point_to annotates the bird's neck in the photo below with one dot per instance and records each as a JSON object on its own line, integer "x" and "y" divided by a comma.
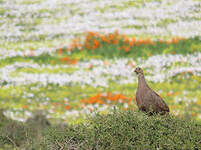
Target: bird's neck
{"x": 141, "y": 81}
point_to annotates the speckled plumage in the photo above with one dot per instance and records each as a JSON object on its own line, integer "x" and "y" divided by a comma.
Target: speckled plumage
{"x": 148, "y": 100}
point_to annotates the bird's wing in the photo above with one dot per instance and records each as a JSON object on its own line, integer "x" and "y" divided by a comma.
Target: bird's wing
{"x": 159, "y": 101}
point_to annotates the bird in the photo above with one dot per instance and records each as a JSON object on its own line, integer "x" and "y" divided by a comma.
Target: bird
{"x": 147, "y": 99}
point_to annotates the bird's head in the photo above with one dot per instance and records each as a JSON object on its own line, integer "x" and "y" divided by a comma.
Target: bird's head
{"x": 138, "y": 70}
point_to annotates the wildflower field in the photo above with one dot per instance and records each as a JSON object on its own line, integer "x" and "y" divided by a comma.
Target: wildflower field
{"x": 72, "y": 58}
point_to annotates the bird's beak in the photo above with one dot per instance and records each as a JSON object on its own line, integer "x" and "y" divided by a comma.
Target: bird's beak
{"x": 135, "y": 71}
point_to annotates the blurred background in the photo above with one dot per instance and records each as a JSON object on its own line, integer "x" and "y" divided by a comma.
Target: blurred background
{"x": 71, "y": 58}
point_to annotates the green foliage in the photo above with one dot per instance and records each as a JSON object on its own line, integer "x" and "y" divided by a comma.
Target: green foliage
{"x": 126, "y": 130}
{"x": 118, "y": 130}
{"x": 145, "y": 50}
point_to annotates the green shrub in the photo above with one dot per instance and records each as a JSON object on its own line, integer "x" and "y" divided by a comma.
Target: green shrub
{"x": 118, "y": 130}
{"x": 126, "y": 130}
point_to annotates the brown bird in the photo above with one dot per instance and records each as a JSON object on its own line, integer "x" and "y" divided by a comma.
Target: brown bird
{"x": 148, "y": 100}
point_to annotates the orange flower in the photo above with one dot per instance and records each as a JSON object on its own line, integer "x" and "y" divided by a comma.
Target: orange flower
{"x": 69, "y": 60}
{"x": 121, "y": 96}
{"x": 131, "y": 43}
{"x": 141, "y": 41}
{"x": 88, "y": 46}
{"x": 101, "y": 98}
{"x": 92, "y": 100}
{"x": 100, "y": 101}
{"x": 96, "y": 43}
{"x": 98, "y": 95}
{"x": 131, "y": 64}
{"x": 115, "y": 97}
{"x": 65, "y": 59}
{"x": 26, "y": 106}
{"x": 147, "y": 41}
{"x": 87, "y": 39}
{"x": 126, "y": 49}
{"x": 129, "y": 100}
{"x": 111, "y": 37}
{"x": 94, "y": 47}
{"x": 126, "y": 40}
{"x": 90, "y": 66}
{"x": 109, "y": 95}
{"x": 169, "y": 94}
{"x": 161, "y": 41}
{"x": 168, "y": 42}
{"x": 84, "y": 100}
{"x": 67, "y": 107}
{"x": 103, "y": 38}
{"x": 134, "y": 40}
{"x": 175, "y": 40}
{"x": 91, "y": 33}
{"x": 115, "y": 42}
{"x": 73, "y": 62}
{"x": 60, "y": 51}
{"x": 122, "y": 47}
{"x": 93, "y": 40}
